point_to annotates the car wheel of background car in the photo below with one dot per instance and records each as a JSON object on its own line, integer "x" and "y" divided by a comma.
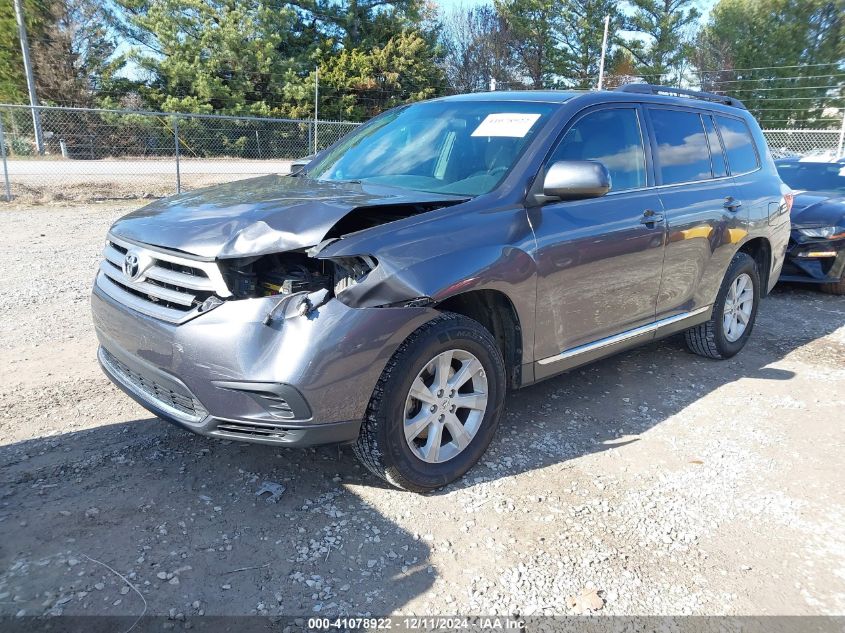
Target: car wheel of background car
{"x": 835, "y": 288}
{"x": 436, "y": 406}
{"x": 733, "y": 313}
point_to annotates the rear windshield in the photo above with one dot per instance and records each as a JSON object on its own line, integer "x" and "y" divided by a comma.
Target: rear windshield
{"x": 739, "y": 145}
{"x": 452, "y": 147}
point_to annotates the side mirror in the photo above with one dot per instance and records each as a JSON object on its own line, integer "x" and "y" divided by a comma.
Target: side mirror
{"x": 576, "y": 180}
{"x": 299, "y": 164}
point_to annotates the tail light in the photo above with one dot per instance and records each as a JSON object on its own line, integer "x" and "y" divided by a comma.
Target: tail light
{"x": 788, "y": 199}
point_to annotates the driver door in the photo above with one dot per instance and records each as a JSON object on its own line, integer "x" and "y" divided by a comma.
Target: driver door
{"x": 599, "y": 260}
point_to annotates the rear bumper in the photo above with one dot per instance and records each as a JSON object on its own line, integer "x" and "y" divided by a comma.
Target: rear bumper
{"x": 299, "y": 381}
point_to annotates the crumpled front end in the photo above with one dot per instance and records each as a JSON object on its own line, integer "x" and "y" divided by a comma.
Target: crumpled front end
{"x": 254, "y": 349}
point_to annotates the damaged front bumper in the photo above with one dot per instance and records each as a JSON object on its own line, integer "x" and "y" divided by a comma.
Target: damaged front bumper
{"x": 814, "y": 260}
{"x": 301, "y": 380}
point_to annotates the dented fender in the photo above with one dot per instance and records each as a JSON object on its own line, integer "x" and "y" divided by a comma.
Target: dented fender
{"x": 484, "y": 251}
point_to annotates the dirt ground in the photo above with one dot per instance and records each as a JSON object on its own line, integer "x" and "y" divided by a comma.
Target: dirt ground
{"x": 655, "y": 482}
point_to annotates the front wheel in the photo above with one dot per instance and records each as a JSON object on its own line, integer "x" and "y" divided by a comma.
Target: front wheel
{"x": 436, "y": 406}
{"x": 835, "y": 287}
{"x": 734, "y": 312}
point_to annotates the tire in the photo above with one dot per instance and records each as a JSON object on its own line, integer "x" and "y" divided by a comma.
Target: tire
{"x": 835, "y": 288}
{"x": 710, "y": 339}
{"x": 382, "y": 445}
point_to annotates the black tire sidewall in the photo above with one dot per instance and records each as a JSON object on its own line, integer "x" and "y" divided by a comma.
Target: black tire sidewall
{"x": 742, "y": 263}
{"x": 459, "y": 333}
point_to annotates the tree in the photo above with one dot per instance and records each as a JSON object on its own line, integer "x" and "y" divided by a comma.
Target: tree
{"x": 793, "y": 75}
{"x": 478, "y": 49}
{"x": 74, "y": 58}
{"x": 358, "y": 84}
{"x": 216, "y": 55}
{"x": 662, "y": 46}
{"x": 581, "y": 32}
{"x": 533, "y": 25}
{"x": 365, "y": 23}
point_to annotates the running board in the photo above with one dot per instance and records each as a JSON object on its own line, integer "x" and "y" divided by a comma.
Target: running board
{"x": 622, "y": 336}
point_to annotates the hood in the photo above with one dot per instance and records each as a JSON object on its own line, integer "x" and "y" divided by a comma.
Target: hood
{"x": 816, "y": 208}
{"x": 270, "y": 214}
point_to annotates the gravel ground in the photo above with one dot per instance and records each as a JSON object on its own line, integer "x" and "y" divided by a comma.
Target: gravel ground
{"x": 655, "y": 482}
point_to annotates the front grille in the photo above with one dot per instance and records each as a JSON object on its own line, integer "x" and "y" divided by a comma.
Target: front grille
{"x": 264, "y": 431}
{"x": 183, "y": 405}
{"x": 167, "y": 285}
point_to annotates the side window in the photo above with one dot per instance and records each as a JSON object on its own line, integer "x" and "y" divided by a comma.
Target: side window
{"x": 682, "y": 152}
{"x": 717, "y": 155}
{"x": 613, "y": 138}
{"x": 739, "y": 145}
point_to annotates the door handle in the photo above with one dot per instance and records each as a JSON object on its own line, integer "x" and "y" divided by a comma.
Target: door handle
{"x": 650, "y": 218}
{"x": 732, "y": 204}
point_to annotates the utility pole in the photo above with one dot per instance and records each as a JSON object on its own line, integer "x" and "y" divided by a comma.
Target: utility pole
{"x": 840, "y": 146}
{"x": 316, "y": 102}
{"x": 603, "y": 51}
{"x": 30, "y": 80}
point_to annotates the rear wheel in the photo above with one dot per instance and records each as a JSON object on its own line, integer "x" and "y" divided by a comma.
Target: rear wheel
{"x": 734, "y": 312}
{"x": 436, "y": 406}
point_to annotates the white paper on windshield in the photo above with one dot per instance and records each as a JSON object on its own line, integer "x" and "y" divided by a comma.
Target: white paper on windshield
{"x": 512, "y": 124}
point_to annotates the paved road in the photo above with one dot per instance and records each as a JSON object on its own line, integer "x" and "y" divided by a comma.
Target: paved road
{"x": 105, "y": 168}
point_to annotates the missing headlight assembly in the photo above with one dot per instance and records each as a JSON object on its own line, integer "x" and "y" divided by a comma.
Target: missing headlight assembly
{"x": 302, "y": 283}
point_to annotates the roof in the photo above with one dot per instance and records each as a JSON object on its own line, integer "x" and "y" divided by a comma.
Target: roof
{"x": 592, "y": 97}
{"x": 544, "y": 96}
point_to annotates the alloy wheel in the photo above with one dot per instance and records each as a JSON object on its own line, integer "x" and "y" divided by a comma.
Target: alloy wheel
{"x": 445, "y": 406}
{"x": 739, "y": 303}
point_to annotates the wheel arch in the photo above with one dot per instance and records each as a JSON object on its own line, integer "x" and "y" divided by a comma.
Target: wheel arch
{"x": 760, "y": 249}
{"x": 496, "y": 312}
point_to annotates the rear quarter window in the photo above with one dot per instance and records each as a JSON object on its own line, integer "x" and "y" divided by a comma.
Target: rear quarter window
{"x": 739, "y": 144}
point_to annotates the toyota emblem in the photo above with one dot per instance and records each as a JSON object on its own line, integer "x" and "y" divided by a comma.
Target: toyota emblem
{"x": 131, "y": 266}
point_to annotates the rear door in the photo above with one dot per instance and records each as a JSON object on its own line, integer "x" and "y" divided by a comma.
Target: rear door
{"x": 704, "y": 214}
{"x": 600, "y": 260}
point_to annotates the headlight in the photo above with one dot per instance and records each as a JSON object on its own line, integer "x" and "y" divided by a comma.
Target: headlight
{"x": 823, "y": 231}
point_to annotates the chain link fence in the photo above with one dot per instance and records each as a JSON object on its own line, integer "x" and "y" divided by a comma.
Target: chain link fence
{"x": 89, "y": 154}
{"x": 784, "y": 143}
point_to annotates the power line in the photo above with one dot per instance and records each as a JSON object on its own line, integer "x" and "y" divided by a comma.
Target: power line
{"x": 730, "y": 70}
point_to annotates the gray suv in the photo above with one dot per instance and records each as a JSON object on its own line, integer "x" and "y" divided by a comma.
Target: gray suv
{"x": 392, "y": 291}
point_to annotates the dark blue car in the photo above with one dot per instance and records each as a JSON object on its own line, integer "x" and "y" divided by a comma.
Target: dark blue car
{"x": 816, "y": 252}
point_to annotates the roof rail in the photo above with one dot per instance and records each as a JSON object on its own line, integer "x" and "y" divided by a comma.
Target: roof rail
{"x": 651, "y": 89}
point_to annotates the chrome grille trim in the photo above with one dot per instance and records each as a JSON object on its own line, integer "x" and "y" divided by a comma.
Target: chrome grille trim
{"x": 182, "y": 406}
{"x": 171, "y": 286}
{"x": 140, "y": 305}
{"x": 173, "y": 296}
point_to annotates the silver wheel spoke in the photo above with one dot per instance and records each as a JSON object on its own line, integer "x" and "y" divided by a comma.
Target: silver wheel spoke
{"x": 467, "y": 371}
{"x": 417, "y": 424}
{"x": 459, "y": 434}
{"x": 421, "y": 392}
{"x": 443, "y": 364}
{"x": 471, "y": 401}
{"x": 431, "y": 450}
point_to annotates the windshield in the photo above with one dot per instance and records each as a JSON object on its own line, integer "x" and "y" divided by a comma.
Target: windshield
{"x": 813, "y": 176}
{"x": 452, "y": 147}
